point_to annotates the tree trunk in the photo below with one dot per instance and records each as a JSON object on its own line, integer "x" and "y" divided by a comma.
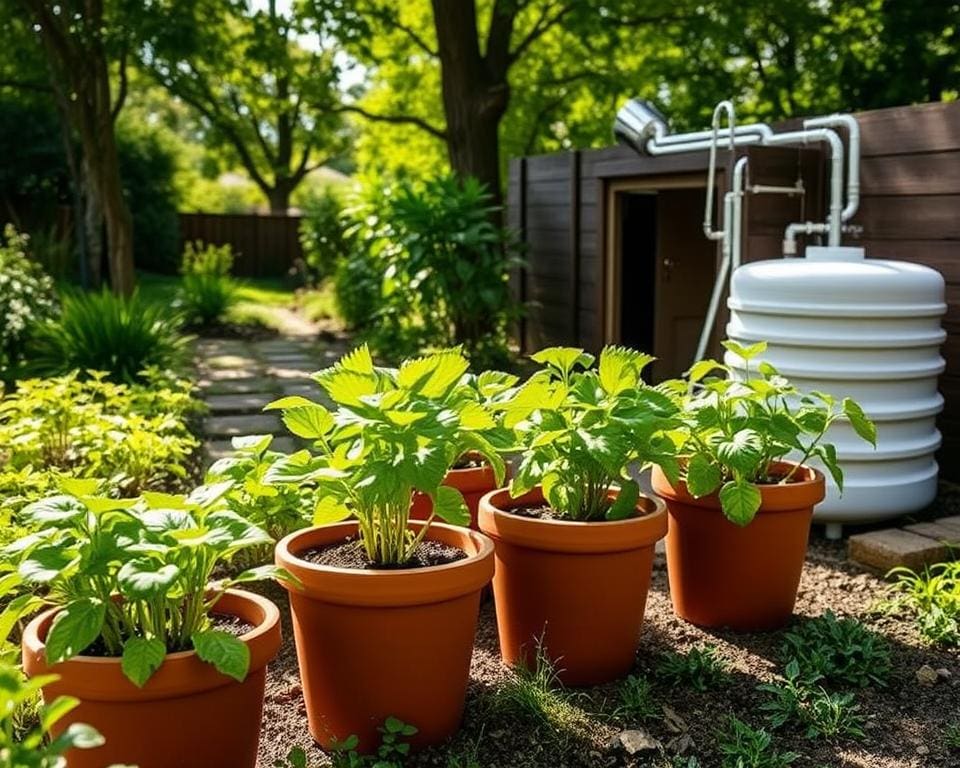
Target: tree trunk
{"x": 279, "y": 196}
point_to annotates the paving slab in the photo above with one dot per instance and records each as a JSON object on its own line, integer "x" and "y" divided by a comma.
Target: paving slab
{"x": 886, "y": 549}
{"x": 938, "y": 530}
{"x": 302, "y": 388}
{"x": 212, "y": 347}
{"x": 241, "y": 403}
{"x": 287, "y": 373}
{"x": 230, "y": 426}
{"x": 229, "y": 374}
{"x": 254, "y": 384}
{"x": 230, "y": 361}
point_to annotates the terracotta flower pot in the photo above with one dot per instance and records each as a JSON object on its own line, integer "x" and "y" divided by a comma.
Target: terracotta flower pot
{"x": 378, "y": 643}
{"x": 744, "y": 578}
{"x": 187, "y": 715}
{"x": 578, "y": 589}
{"x": 472, "y": 482}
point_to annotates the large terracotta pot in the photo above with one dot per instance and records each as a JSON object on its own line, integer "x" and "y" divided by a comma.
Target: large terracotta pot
{"x": 472, "y": 482}
{"x": 379, "y": 643}
{"x": 187, "y": 715}
{"x": 578, "y": 590}
{"x": 744, "y": 578}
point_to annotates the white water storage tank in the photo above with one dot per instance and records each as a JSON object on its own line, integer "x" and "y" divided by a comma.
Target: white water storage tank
{"x": 862, "y": 328}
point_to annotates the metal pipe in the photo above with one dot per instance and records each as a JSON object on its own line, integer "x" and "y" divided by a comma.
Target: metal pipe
{"x": 724, "y": 106}
{"x": 760, "y": 129}
{"x": 853, "y": 160}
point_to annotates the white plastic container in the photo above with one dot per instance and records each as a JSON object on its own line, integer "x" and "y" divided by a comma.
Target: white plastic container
{"x": 862, "y": 328}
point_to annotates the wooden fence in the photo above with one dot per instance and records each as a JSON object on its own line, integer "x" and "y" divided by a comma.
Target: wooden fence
{"x": 265, "y": 245}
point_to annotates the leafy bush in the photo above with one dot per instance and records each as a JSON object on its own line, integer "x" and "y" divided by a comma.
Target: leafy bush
{"x": 581, "y": 429}
{"x": 933, "y": 596}
{"x": 736, "y": 431}
{"x": 700, "y": 668}
{"x": 103, "y": 332}
{"x": 391, "y": 753}
{"x": 357, "y": 289}
{"x": 26, "y": 299}
{"x": 840, "y": 651}
{"x": 132, "y": 437}
{"x": 206, "y": 290}
{"x": 36, "y": 748}
{"x": 741, "y": 746}
{"x": 158, "y": 553}
{"x": 323, "y": 236}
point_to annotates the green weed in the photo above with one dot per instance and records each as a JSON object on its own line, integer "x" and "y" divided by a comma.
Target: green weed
{"x": 741, "y": 746}
{"x": 838, "y": 651}
{"x": 699, "y": 668}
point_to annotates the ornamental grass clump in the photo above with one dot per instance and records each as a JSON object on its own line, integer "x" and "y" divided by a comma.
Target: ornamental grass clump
{"x": 133, "y": 578}
{"x": 394, "y": 432}
{"x": 737, "y": 431}
{"x": 581, "y": 428}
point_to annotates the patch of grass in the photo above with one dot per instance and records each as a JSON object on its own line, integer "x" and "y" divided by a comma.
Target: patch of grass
{"x": 468, "y": 755}
{"x": 636, "y": 700}
{"x": 820, "y": 713}
{"x": 951, "y": 736}
{"x": 318, "y": 303}
{"x": 838, "y": 651}
{"x": 741, "y": 746}
{"x": 933, "y": 597}
{"x": 699, "y": 668}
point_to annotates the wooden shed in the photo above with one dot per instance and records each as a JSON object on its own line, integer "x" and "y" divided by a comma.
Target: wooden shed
{"x": 578, "y": 213}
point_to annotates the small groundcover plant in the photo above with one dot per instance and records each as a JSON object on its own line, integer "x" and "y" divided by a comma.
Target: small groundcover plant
{"x": 735, "y": 432}
{"x": 394, "y": 431}
{"x": 581, "y": 428}
{"x": 133, "y": 577}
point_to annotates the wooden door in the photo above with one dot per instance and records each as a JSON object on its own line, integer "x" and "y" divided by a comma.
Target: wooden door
{"x": 685, "y": 270}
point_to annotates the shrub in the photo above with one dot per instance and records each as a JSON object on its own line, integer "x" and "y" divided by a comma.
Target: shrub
{"x": 357, "y": 289}
{"x": 840, "y": 651}
{"x": 206, "y": 291}
{"x": 103, "y": 332}
{"x": 933, "y": 597}
{"x": 26, "y": 299}
{"x": 323, "y": 236}
{"x": 700, "y": 668}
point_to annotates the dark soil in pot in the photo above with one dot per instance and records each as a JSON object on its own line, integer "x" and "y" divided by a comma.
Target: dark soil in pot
{"x": 351, "y": 554}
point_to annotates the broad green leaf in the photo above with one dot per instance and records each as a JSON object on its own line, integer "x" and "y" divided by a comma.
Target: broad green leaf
{"x": 228, "y": 654}
{"x": 474, "y": 416}
{"x": 862, "y": 425}
{"x": 44, "y": 564}
{"x": 255, "y": 444}
{"x": 53, "y": 510}
{"x": 703, "y": 476}
{"x": 347, "y": 387}
{"x": 157, "y": 500}
{"x": 308, "y": 422}
{"x": 77, "y": 736}
{"x": 700, "y": 370}
{"x": 141, "y": 658}
{"x": 743, "y": 452}
{"x": 828, "y": 456}
{"x": 329, "y": 510}
{"x": 56, "y": 711}
{"x": 205, "y": 496}
{"x": 145, "y": 579}
{"x": 75, "y": 628}
{"x": 748, "y": 352}
{"x": 740, "y": 501}
{"x": 625, "y": 504}
{"x": 619, "y": 368}
{"x": 449, "y": 506}
{"x": 358, "y": 360}
{"x": 286, "y": 403}
{"x": 76, "y": 486}
{"x": 564, "y": 359}
{"x": 434, "y": 375}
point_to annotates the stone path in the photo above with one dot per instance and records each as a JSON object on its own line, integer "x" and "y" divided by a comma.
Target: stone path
{"x": 238, "y": 378}
{"x": 914, "y": 546}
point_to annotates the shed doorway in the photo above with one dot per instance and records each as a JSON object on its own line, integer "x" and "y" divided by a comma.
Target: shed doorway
{"x": 660, "y": 270}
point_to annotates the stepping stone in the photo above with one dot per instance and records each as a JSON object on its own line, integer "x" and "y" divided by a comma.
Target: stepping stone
{"x": 284, "y": 372}
{"x": 231, "y": 426}
{"x": 229, "y": 361}
{"x": 284, "y": 348}
{"x": 213, "y": 347}
{"x": 883, "y": 550}
{"x": 302, "y": 388}
{"x": 217, "y": 449}
{"x": 253, "y": 384}
{"x": 938, "y": 530}
{"x": 252, "y": 402}
{"x": 229, "y": 374}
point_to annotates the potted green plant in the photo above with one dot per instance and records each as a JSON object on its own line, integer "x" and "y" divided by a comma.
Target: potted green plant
{"x": 386, "y": 610}
{"x": 574, "y": 536}
{"x": 167, "y": 664}
{"x": 740, "y": 513}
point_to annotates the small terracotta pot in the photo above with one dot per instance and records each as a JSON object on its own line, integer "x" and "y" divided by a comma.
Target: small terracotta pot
{"x": 744, "y": 578}
{"x": 187, "y": 715}
{"x": 378, "y": 643}
{"x": 472, "y": 482}
{"x": 577, "y": 589}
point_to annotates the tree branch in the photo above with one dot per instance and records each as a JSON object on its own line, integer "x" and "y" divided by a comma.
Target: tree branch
{"x": 122, "y": 88}
{"x": 398, "y": 119}
{"x": 544, "y": 24}
{"x": 391, "y": 20}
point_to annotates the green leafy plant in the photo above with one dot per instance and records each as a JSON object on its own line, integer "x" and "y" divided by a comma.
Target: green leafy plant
{"x": 741, "y": 746}
{"x": 933, "y": 597}
{"x": 323, "y": 236}
{"x": 395, "y": 431}
{"x": 699, "y": 668}
{"x": 581, "y": 428}
{"x": 636, "y": 702}
{"x": 206, "y": 289}
{"x": 131, "y": 576}
{"x": 123, "y": 337}
{"x": 839, "y": 651}
{"x": 736, "y": 431}
{"x": 391, "y": 753}
{"x": 36, "y": 748}
{"x": 820, "y": 713}
{"x": 951, "y": 736}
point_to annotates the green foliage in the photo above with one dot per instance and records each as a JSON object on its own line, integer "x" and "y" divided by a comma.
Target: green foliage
{"x": 699, "y": 668}
{"x": 820, "y": 713}
{"x": 581, "y": 428}
{"x": 391, "y": 753}
{"x": 157, "y": 552}
{"x": 131, "y": 437}
{"x": 838, "y": 651}
{"x": 37, "y": 748}
{"x": 734, "y": 431}
{"x": 951, "y": 736}
{"x": 26, "y": 299}
{"x": 636, "y": 700}
{"x": 323, "y": 236}
{"x": 206, "y": 291}
{"x": 933, "y": 597}
{"x": 395, "y": 431}
{"x": 741, "y": 746}
{"x": 103, "y": 332}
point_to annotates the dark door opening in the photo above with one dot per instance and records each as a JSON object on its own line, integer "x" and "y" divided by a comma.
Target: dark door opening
{"x": 638, "y": 253}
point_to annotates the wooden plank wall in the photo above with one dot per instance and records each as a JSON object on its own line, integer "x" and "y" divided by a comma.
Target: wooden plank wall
{"x": 263, "y": 245}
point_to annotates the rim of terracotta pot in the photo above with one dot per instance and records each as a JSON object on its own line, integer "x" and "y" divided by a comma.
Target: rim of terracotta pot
{"x": 94, "y": 678}
{"x": 387, "y": 588}
{"x": 806, "y": 491}
{"x": 570, "y": 535}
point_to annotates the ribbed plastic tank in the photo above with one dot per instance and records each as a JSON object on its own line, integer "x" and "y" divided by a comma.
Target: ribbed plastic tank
{"x": 862, "y": 328}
